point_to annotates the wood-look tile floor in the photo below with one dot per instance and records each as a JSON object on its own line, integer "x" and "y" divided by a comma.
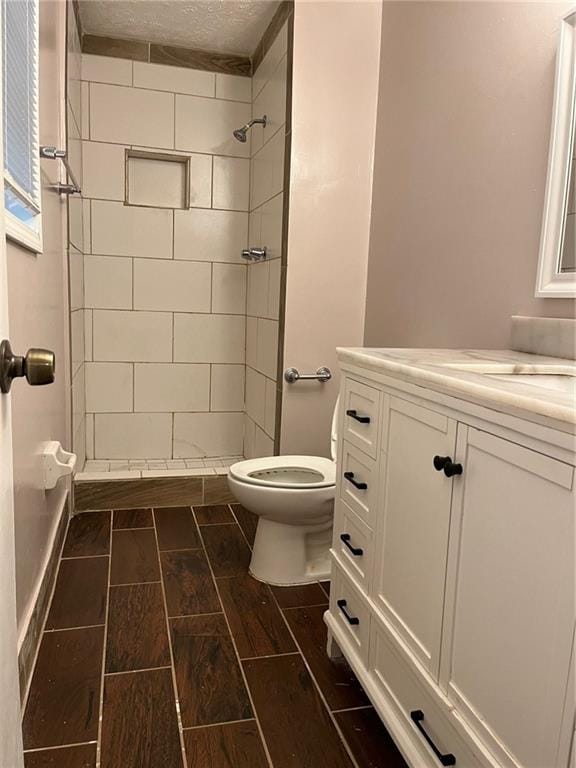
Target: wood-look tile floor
{"x": 161, "y": 651}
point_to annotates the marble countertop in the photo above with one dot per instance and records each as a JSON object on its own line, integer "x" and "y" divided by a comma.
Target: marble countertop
{"x": 504, "y": 380}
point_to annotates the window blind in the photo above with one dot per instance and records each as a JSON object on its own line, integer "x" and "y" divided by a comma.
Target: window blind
{"x": 20, "y": 95}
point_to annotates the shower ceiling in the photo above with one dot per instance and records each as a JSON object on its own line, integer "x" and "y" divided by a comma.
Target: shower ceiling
{"x": 226, "y": 26}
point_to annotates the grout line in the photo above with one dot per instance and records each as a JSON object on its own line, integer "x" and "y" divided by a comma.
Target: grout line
{"x": 135, "y": 671}
{"x": 171, "y": 650}
{"x": 318, "y": 690}
{"x": 140, "y": 528}
{"x": 215, "y": 725}
{"x": 195, "y": 615}
{"x": 86, "y": 557}
{"x": 71, "y": 629}
{"x": 180, "y": 549}
{"x": 352, "y": 709}
{"x": 239, "y": 660}
{"x": 270, "y": 656}
{"x": 230, "y": 507}
{"x": 58, "y": 746}
{"x": 104, "y": 648}
{"x": 325, "y": 604}
{"x": 133, "y": 584}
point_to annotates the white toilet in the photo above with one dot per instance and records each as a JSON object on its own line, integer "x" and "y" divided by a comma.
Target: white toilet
{"x": 294, "y": 499}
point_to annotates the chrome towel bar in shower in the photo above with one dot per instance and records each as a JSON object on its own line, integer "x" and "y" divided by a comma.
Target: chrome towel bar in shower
{"x": 292, "y": 375}
{"x": 51, "y": 153}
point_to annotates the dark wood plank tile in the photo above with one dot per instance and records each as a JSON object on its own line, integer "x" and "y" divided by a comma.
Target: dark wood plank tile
{"x": 63, "y": 701}
{"x": 284, "y": 9}
{"x": 137, "y": 635}
{"x": 80, "y": 593}
{"x": 255, "y": 620}
{"x": 139, "y": 727}
{"x": 227, "y": 550}
{"x": 326, "y": 587}
{"x": 214, "y": 514}
{"x": 295, "y": 723}
{"x": 303, "y": 594}
{"x": 188, "y": 583}
{"x": 83, "y": 756}
{"x": 112, "y": 46}
{"x": 247, "y": 520}
{"x": 207, "y": 60}
{"x": 335, "y": 678}
{"x": 132, "y": 518}
{"x": 144, "y": 492}
{"x": 134, "y": 557}
{"x": 176, "y": 528}
{"x": 235, "y": 745}
{"x": 216, "y": 490}
{"x": 210, "y": 684}
{"x": 88, "y": 534}
{"x": 368, "y": 739}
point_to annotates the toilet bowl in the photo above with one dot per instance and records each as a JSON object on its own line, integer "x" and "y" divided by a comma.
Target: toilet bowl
{"x": 293, "y": 497}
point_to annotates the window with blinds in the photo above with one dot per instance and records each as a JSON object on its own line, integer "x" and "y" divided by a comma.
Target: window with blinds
{"x": 20, "y": 121}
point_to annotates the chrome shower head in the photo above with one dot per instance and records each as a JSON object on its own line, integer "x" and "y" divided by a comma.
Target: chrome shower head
{"x": 240, "y": 134}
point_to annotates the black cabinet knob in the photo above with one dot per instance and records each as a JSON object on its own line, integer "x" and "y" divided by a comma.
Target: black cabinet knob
{"x": 445, "y": 463}
{"x": 356, "y": 551}
{"x": 350, "y": 477}
{"x": 354, "y": 415}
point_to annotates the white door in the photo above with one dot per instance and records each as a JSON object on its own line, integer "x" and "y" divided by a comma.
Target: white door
{"x": 413, "y": 524}
{"x": 10, "y": 731}
{"x": 509, "y": 618}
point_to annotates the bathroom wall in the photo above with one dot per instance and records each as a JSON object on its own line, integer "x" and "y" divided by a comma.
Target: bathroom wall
{"x": 38, "y": 316}
{"x": 267, "y": 208}
{"x": 334, "y": 101}
{"x": 164, "y": 287}
{"x": 464, "y": 116}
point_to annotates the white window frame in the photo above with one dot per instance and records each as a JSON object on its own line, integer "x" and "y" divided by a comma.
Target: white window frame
{"x": 17, "y": 230}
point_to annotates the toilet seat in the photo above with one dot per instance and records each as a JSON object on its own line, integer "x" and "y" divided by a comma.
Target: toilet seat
{"x": 295, "y": 472}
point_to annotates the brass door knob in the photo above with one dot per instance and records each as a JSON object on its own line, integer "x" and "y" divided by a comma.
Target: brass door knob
{"x": 37, "y": 366}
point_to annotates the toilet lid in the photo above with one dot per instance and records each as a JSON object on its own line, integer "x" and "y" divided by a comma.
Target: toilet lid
{"x": 286, "y": 471}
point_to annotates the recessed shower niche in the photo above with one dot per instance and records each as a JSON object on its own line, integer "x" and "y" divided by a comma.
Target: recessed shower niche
{"x": 157, "y": 179}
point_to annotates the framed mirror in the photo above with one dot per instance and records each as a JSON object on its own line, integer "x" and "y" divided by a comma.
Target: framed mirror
{"x": 557, "y": 265}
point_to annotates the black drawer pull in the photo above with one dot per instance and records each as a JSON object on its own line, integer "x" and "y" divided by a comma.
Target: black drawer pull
{"x": 350, "y": 477}
{"x": 350, "y": 619}
{"x": 354, "y": 415}
{"x": 445, "y": 759}
{"x": 445, "y": 463}
{"x": 356, "y": 551}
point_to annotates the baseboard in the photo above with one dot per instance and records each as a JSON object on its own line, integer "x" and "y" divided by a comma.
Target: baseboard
{"x": 151, "y": 492}
{"x": 30, "y": 638}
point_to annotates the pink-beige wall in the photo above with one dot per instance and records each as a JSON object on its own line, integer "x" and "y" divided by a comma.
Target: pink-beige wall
{"x": 335, "y": 88}
{"x": 38, "y": 317}
{"x": 462, "y": 137}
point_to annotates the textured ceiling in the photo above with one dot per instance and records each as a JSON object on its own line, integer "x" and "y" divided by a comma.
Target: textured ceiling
{"x": 227, "y": 26}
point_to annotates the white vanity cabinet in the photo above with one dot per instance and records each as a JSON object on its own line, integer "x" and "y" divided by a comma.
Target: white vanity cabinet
{"x": 453, "y": 574}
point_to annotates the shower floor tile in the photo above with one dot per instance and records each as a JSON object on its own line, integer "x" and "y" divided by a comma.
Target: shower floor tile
{"x": 193, "y": 663}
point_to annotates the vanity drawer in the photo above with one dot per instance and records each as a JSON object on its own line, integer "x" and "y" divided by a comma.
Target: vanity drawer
{"x": 362, "y": 410}
{"x": 349, "y": 611}
{"x": 353, "y": 544}
{"x": 358, "y": 482}
{"x": 419, "y": 708}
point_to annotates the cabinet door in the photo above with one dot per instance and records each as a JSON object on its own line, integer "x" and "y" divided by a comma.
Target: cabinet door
{"x": 413, "y": 523}
{"x": 510, "y": 599}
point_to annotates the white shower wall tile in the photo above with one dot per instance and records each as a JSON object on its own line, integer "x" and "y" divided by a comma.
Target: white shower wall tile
{"x": 132, "y": 336}
{"x": 206, "y": 125}
{"x": 251, "y": 340}
{"x": 229, "y": 289}
{"x": 209, "y": 338}
{"x": 210, "y": 235}
{"x": 234, "y": 87}
{"x": 271, "y": 101}
{"x": 171, "y": 387}
{"x": 133, "y": 435}
{"x": 88, "y": 346}
{"x": 123, "y": 230}
{"x": 109, "y": 387}
{"x": 106, "y": 69}
{"x": 258, "y": 281}
{"x": 268, "y": 170}
{"x": 124, "y": 115}
{"x": 255, "y": 396}
{"x": 267, "y": 354}
{"x": 208, "y": 434}
{"x": 76, "y": 277}
{"x": 103, "y": 170}
{"x": 271, "y": 226}
{"x": 89, "y": 436}
{"x": 77, "y": 344}
{"x": 227, "y": 388}
{"x": 107, "y": 282}
{"x": 173, "y": 286}
{"x": 270, "y": 410}
{"x": 160, "y": 77}
{"x": 263, "y": 445}
{"x": 200, "y": 181}
{"x": 270, "y": 61}
{"x": 231, "y": 183}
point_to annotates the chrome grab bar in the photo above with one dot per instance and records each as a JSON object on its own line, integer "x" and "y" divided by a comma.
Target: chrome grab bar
{"x": 292, "y": 375}
{"x": 51, "y": 153}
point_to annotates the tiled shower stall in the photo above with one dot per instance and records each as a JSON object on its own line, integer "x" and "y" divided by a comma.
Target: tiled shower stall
{"x": 174, "y": 335}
